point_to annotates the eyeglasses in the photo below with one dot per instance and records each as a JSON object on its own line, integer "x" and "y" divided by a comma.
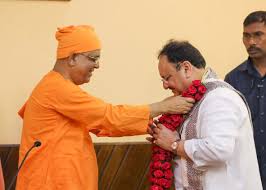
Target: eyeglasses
{"x": 167, "y": 78}
{"x": 94, "y": 59}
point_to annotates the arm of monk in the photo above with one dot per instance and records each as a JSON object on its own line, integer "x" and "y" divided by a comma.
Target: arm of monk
{"x": 99, "y": 117}
{"x": 124, "y": 120}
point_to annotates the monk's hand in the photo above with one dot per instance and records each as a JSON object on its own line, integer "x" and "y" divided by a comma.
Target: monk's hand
{"x": 177, "y": 105}
{"x": 164, "y": 137}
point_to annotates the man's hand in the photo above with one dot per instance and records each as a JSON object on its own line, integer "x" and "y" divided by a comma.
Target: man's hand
{"x": 172, "y": 105}
{"x": 150, "y": 130}
{"x": 164, "y": 137}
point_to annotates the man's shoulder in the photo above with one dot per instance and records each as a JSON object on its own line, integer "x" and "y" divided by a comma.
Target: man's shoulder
{"x": 223, "y": 96}
{"x": 223, "y": 92}
{"x": 238, "y": 69}
{"x": 54, "y": 82}
{"x": 53, "y": 86}
{"x": 237, "y": 74}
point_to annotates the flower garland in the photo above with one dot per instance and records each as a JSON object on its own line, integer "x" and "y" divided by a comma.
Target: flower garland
{"x": 160, "y": 174}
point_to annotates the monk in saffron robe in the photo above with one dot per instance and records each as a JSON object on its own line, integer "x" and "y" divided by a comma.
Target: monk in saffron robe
{"x": 60, "y": 115}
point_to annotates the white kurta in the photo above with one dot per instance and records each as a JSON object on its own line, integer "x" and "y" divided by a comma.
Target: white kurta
{"x": 225, "y": 148}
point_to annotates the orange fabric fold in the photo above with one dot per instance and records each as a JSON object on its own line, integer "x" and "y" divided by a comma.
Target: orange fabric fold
{"x": 76, "y": 39}
{"x": 22, "y": 110}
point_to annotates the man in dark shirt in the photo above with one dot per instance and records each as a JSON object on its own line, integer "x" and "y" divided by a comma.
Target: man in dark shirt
{"x": 250, "y": 79}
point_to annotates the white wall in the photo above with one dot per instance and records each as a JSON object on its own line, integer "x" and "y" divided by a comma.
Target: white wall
{"x": 132, "y": 32}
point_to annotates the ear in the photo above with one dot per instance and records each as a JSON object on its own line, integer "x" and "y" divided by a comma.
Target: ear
{"x": 187, "y": 69}
{"x": 72, "y": 60}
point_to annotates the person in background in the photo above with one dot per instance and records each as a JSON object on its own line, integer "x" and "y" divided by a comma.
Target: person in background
{"x": 250, "y": 79}
{"x": 60, "y": 115}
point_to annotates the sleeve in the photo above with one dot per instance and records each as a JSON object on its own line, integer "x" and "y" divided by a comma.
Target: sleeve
{"x": 99, "y": 117}
{"x": 124, "y": 120}
{"x": 220, "y": 117}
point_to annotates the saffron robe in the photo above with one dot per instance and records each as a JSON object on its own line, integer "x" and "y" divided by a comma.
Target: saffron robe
{"x": 61, "y": 115}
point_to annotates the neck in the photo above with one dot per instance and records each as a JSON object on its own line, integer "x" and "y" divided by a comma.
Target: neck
{"x": 199, "y": 74}
{"x": 60, "y": 68}
{"x": 260, "y": 65}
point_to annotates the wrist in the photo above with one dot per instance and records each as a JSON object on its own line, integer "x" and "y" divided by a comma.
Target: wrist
{"x": 175, "y": 146}
{"x": 180, "y": 151}
{"x": 156, "y": 109}
{"x": 161, "y": 107}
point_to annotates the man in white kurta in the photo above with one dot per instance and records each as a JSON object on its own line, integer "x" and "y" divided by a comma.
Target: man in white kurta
{"x": 214, "y": 148}
{"x": 224, "y": 149}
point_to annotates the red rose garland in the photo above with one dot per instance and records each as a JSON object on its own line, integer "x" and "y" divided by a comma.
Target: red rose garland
{"x": 160, "y": 174}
